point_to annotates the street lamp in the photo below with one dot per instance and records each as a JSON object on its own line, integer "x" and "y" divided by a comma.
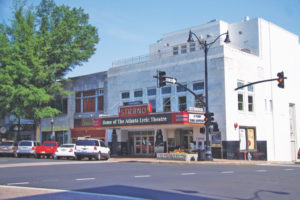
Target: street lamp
{"x": 52, "y": 131}
{"x": 205, "y": 45}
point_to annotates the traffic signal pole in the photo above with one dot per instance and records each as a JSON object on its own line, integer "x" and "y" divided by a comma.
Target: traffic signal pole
{"x": 280, "y": 80}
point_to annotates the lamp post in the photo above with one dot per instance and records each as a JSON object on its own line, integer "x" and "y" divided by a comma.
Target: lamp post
{"x": 205, "y": 45}
{"x": 52, "y": 131}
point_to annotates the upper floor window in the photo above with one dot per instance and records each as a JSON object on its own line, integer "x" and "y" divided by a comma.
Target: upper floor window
{"x": 181, "y": 89}
{"x": 125, "y": 95}
{"x": 167, "y": 104}
{"x": 192, "y": 46}
{"x": 239, "y": 84}
{"x": 138, "y": 93}
{"x": 153, "y": 103}
{"x": 166, "y": 90}
{"x": 89, "y": 100}
{"x": 198, "y": 86}
{"x": 151, "y": 92}
{"x": 182, "y": 103}
{"x": 60, "y": 104}
{"x": 240, "y": 102}
{"x": 175, "y": 50}
{"x": 183, "y": 49}
{"x": 250, "y": 88}
{"x": 250, "y": 103}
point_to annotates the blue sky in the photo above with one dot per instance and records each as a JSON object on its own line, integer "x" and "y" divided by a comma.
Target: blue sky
{"x": 127, "y": 27}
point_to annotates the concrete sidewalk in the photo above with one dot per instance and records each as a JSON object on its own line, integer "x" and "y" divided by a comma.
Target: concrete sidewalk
{"x": 214, "y": 162}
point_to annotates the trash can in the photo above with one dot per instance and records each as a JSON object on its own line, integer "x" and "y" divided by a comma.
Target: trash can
{"x": 201, "y": 154}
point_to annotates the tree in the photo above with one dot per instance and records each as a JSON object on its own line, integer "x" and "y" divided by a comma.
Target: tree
{"x": 40, "y": 46}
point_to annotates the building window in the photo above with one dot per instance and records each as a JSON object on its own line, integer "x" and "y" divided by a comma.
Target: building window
{"x": 60, "y": 104}
{"x": 192, "y": 46}
{"x": 151, "y": 92}
{"x": 89, "y": 100}
{"x": 240, "y": 102}
{"x": 183, "y": 49}
{"x": 250, "y": 88}
{"x": 182, "y": 103}
{"x": 250, "y": 103}
{"x": 181, "y": 89}
{"x": 239, "y": 84}
{"x": 125, "y": 95}
{"x": 198, "y": 86}
{"x": 198, "y": 103}
{"x": 166, "y": 90}
{"x": 175, "y": 50}
{"x": 167, "y": 104}
{"x": 100, "y": 103}
{"x": 138, "y": 93}
{"x": 153, "y": 103}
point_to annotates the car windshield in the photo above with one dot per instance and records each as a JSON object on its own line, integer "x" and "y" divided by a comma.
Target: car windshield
{"x": 25, "y": 143}
{"x": 67, "y": 146}
{"x": 6, "y": 144}
{"x": 49, "y": 144}
{"x": 85, "y": 142}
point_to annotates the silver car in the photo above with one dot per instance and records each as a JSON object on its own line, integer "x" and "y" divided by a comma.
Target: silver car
{"x": 27, "y": 148}
{"x": 8, "y": 148}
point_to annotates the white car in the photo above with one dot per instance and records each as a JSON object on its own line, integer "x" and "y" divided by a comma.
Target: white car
{"x": 27, "y": 148}
{"x": 65, "y": 151}
{"x": 91, "y": 148}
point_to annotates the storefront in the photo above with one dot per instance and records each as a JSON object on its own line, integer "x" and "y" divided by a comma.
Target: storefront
{"x": 140, "y": 132}
{"x": 87, "y": 128}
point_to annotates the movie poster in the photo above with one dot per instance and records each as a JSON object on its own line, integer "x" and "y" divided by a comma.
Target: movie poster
{"x": 243, "y": 140}
{"x": 251, "y": 139}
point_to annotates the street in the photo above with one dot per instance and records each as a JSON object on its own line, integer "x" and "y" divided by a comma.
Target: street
{"x": 151, "y": 180}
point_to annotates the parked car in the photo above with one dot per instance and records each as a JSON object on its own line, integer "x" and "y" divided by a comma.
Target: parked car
{"x": 27, "y": 148}
{"x": 91, "y": 148}
{"x": 65, "y": 151}
{"x": 47, "y": 149}
{"x": 8, "y": 148}
{"x": 299, "y": 153}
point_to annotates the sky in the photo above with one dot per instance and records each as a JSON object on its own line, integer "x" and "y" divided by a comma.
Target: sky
{"x": 127, "y": 27}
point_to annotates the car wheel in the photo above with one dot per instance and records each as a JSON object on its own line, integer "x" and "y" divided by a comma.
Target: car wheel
{"x": 108, "y": 156}
{"x": 38, "y": 156}
{"x": 98, "y": 157}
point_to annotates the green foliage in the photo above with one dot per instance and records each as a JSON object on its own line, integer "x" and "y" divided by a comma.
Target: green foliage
{"x": 37, "y": 49}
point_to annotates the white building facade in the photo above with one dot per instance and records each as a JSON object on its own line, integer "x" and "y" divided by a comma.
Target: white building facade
{"x": 260, "y": 119}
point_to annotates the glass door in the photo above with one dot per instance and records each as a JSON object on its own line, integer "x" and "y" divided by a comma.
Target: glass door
{"x": 137, "y": 145}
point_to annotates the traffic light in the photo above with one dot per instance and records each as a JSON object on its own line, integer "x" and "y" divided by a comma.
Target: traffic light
{"x": 280, "y": 79}
{"x": 209, "y": 117}
{"x": 161, "y": 78}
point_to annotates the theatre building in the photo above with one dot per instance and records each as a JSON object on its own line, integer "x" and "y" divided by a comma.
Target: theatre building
{"x": 139, "y": 131}
{"x": 259, "y": 120}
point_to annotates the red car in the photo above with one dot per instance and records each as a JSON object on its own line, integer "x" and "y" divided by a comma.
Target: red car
{"x": 47, "y": 149}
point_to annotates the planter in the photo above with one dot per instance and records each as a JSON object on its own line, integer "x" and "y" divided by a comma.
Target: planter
{"x": 175, "y": 156}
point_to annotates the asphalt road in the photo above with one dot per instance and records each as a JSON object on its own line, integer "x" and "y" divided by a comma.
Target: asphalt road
{"x": 156, "y": 181}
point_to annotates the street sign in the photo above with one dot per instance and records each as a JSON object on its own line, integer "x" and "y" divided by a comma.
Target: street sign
{"x": 171, "y": 80}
